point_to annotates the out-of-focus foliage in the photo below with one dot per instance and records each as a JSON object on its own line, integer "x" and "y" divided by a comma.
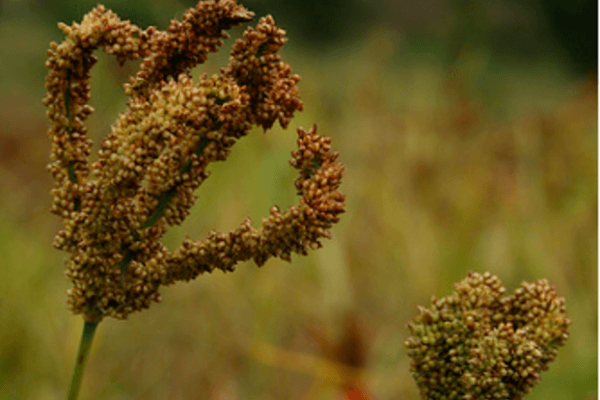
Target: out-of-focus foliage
{"x": 525, "y": 29}
{"x": 574, "y": 25}
{"x": 458, "y": 159}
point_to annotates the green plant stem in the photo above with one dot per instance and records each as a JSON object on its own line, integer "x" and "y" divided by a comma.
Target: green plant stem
{"x": 89, "y": 328}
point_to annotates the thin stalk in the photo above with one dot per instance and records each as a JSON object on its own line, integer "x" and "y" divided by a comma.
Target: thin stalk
{"x": 89, "y": 328}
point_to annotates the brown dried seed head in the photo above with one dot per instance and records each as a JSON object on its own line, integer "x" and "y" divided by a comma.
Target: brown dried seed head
{"x": 116, "y": 210}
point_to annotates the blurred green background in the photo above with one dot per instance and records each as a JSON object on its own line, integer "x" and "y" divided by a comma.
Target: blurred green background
{"x": 469, "y": 130}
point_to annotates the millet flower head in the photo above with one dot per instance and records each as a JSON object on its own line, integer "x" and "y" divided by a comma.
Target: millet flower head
{"x": 477, "y": 345}
{"x": 116, "y": 210}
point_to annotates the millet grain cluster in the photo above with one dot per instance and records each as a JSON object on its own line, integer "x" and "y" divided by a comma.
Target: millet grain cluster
{"x": 116, "y": 210}
{"x": 477, "y": 345}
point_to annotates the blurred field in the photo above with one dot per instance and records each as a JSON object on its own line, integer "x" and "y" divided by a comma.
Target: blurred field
{"x": 483, "y": 164}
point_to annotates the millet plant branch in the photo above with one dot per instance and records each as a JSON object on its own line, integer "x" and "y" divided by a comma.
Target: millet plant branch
{"x": 116, "y": 210}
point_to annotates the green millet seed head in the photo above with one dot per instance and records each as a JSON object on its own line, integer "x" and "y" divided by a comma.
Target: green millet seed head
{"x": 477, "y": 344}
